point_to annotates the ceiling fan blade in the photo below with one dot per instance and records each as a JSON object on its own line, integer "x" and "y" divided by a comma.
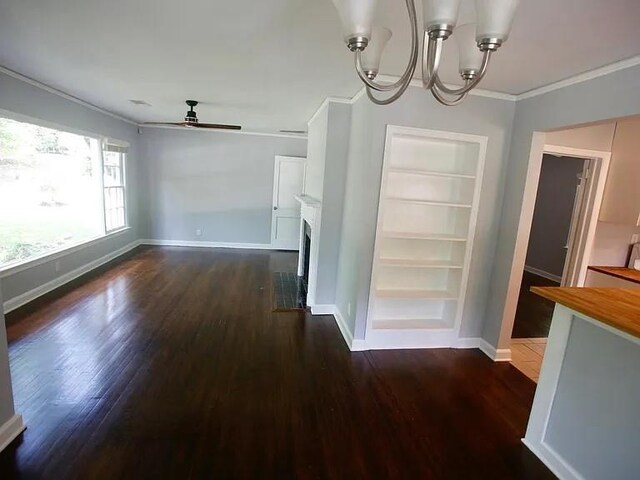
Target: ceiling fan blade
{"x": 216, "y": 125}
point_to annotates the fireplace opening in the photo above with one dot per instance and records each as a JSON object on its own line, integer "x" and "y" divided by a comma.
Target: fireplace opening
{"x": 306, "y": 254}
{"x": 307, "y": 248}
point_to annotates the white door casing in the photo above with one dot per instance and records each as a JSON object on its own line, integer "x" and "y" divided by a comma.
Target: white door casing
{"x": 288, "y": 181}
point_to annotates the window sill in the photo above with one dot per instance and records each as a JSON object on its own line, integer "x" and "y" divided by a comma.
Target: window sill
{"x": 14, "y": 268}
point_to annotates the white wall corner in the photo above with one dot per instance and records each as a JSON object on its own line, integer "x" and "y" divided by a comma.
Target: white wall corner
{"x": 497, "y": 355}
{"x": 326, "y": 101}
{"x": 10, "y": 430}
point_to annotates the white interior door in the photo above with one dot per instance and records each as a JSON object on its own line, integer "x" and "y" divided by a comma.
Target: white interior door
{"x": 288, "y": 181}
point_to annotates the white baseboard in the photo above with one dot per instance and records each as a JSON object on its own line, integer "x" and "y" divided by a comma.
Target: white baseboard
{"x": 553, "y": 461}
{"x": 358, "y": 345}
{"x": 342, "y": 325}
{"x": 497, "y": 355}
{"x": 20, "y": 300}
{"x": 543, "y": 274}
{"x": 188, "y": 243}
{"x": 10, "y": 430}
{"x": 322, "y": 309}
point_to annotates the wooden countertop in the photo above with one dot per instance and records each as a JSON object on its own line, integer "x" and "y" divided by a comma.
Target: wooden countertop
{"x": 624, "y": 273}
{"x": 616, "y": 307}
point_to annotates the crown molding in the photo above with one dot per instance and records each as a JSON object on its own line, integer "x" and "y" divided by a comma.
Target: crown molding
{"x": 582, "y": 77}
{"x": 60, "y": 93}
{"x": 228, "y": 132}
{"x": 326, "y": 101}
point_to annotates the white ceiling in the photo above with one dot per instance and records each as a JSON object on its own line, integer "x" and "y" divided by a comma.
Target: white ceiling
{"x": 268, "y": 64}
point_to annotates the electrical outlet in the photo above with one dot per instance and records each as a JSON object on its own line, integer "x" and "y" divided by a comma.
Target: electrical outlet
{"x": 349, "y": 309}
{"x": 198, "y": 232}
{"x": 634, "y": 238}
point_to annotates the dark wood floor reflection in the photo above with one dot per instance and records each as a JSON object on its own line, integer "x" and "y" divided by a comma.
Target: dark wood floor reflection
{"x": 172, "y": 365}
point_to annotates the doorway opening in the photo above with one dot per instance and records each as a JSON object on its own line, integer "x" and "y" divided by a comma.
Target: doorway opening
{"x": 563, "y": 221}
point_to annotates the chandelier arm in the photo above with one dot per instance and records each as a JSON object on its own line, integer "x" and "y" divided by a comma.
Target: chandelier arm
{"x": 431, "y": 56}
{"x": 392, "y": 98}
{"x": 405, "y": 79}
{"x": 469, "y": 84}
{"x": 445, "y": 101}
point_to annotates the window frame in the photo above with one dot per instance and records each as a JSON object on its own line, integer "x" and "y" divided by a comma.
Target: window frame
{"x": 122, "y": 150}
{"x": 25, "y": 264}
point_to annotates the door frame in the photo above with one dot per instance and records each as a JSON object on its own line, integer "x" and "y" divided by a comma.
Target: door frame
{"x": 276, "y": 169}
{"x": 593, "y": 201}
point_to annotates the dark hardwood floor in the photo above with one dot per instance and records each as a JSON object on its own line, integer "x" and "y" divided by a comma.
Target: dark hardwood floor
{"x": 172, "y": 365}
{"x": 534, "y": 313}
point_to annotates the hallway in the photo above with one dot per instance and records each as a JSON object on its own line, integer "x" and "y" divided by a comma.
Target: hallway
{"x": 172, "y": 365}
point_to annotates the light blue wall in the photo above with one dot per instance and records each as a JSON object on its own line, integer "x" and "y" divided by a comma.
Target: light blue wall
{"x": 26, "y": 102}
{"x": 336, "y": 150}
{"x": 316, "y": 152}
{"x": 477, "y": 115}
{"x": 218, "y": 182}
{"x": 593, "y": 422}
{"x": 351, "y": 280}
{"x": 604, "y": 98}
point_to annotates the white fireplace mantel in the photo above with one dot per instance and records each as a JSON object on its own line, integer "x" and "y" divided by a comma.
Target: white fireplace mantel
{"x": 309, "y": 213}
{"x": 309, "y": 207}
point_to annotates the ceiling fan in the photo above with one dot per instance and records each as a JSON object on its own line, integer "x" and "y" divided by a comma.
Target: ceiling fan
{"x": 191, "y": 121}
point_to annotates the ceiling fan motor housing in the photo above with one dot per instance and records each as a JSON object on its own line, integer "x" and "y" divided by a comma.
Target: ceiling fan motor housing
{"x": 191, "y": 114}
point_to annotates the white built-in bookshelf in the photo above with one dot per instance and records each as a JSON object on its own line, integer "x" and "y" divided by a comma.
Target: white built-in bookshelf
{"x": 426, "y": 220}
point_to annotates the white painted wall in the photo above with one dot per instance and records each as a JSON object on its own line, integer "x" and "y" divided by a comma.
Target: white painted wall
{"x": 477, "y": 115}
{"x": 26, "y": 102}
{"x": 218, "y": 182}
{"x": 599, "y": 99}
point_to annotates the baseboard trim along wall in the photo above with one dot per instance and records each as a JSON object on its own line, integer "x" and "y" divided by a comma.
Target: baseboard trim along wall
{"x": 553, "y": 461}
{"x": 495, "y": 354}
{"x": 542, "y": 273}
{"x": 354, "y": 345}
{"x": 10, "y": 430}
{"x": 189, "y": 243}
{"x": 357, "y": 345}
{"x": 322, "y": 309}
{"x": 16, "y": 302}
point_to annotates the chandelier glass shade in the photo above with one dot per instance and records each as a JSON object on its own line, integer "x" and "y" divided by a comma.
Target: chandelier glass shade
{"x": 476, "y": 43}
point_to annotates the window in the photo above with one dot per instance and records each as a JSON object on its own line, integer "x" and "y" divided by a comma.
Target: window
{"x": 57, "y": 189}
{"x": 114, "y": 188}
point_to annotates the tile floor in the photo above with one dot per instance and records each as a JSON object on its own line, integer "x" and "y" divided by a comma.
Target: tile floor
{"x": 526, "y": 355}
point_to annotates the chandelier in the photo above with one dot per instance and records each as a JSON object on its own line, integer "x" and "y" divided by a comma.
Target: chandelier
{"x": 476, "y": 42}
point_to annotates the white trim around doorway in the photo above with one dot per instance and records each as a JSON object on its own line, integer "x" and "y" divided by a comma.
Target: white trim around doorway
{"x": 593, "y": 200}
